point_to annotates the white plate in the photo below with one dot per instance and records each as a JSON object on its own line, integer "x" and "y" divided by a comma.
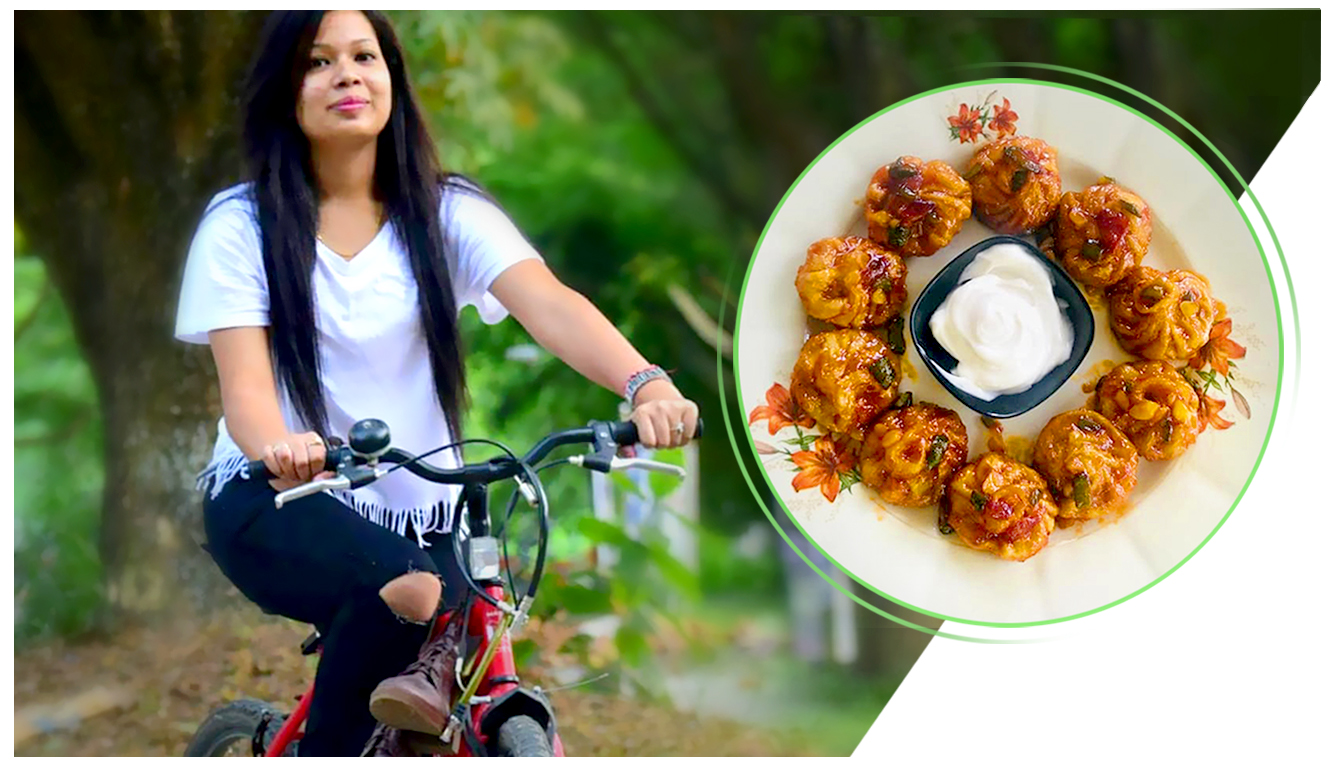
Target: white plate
{"x": 1176, "y": 505}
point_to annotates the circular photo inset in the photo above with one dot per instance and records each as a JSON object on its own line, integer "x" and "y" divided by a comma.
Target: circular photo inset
{"x": 1076, "y": 386}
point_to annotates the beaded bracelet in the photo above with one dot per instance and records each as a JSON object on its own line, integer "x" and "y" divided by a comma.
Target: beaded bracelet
{"x": 641, "y": 378}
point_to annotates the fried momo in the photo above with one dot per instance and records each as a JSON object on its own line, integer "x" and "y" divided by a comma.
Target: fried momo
{"x": 1102, "y": 232}
{"x": 852, "y": 282}
{"x": 910, "y": 453}
{"x": 997, "y": 504}
{"x": 845, "y": 379}
{"x": 1153, "y": 405}
{"x": 1090, "y": 465}
{"x": 914, "y": 207}
{"x": 1162, "y": 316}
{"x": 1015, "y": 184}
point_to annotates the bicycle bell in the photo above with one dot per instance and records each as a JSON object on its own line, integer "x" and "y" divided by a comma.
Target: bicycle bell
{"x": 369, "y": 438}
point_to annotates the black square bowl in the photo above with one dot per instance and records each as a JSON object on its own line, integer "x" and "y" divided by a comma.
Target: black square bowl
{"x": 939, "y": 360}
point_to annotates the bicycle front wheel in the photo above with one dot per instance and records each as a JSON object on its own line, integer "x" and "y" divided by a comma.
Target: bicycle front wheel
{"x": 230, "y": 729}
{"x": 522, "y": 736}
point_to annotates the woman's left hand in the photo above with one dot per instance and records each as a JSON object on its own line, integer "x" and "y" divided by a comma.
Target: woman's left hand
{"x": 664, "y": 417}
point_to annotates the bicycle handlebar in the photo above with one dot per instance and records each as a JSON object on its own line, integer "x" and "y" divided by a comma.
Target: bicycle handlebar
{"x": 358, "y": 465}
{"x": 599, "y": 434}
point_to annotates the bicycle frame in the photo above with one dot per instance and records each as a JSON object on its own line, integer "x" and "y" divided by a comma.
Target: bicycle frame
{"x": 498, "y": 683}
{"x": 499, "y": 679}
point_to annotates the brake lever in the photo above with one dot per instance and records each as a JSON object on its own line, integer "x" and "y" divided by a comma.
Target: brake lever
{"x": 310, "y": 488}
{"x": 353, "y": 477}
{"x": 593, "y": 462}
{"x": 626, "y": 463}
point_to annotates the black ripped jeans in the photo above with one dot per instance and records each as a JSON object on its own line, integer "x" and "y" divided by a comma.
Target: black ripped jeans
{"x": 318, "y": 562}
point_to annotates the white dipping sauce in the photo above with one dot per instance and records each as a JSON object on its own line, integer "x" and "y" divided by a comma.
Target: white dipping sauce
{"x": 1003, "y": 324}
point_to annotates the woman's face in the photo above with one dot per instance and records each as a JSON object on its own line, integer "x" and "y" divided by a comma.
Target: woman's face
{"x": 347, "y": 92}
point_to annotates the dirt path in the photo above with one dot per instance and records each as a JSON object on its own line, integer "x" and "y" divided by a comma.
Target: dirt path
{"x": 170, "y": 677}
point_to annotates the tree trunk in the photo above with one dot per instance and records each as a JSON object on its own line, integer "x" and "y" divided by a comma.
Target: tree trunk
{"x": 124, "y": 127}
{"x": 889, "y": 649}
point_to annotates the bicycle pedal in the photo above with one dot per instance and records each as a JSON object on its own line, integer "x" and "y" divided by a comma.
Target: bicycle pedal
{"x": 453, "y": 733}
{"x": 424, "y": 743}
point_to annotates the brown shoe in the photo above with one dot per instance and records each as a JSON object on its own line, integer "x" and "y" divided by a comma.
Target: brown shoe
{"x": 386, "y": 741}
{"x": 418, "y": 698}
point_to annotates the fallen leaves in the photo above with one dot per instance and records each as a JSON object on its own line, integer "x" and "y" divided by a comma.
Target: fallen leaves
{"x": 179, "y": 672}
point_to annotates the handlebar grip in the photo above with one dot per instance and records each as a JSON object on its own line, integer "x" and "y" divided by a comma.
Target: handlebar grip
{"x": 257, "y": 469}
{"x": 626, "y": 433}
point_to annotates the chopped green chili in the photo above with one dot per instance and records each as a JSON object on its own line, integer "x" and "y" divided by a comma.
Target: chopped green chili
{"x": 896, "y": 335}
{"x": 883, "y": 372}
{"x": 1082, "y": 490}
{"x": 938, "y": 444}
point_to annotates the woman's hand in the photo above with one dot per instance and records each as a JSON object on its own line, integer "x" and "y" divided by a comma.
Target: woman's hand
{"x": 250, "y": 404}
{"x": 295, "y": 459}
{"x": 664, "y": 417}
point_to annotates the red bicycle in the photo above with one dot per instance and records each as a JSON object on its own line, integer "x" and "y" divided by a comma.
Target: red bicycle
{"x": 492, "y": 714}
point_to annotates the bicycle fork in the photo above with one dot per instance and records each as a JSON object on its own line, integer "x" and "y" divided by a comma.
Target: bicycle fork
{"x": 493, "y": 693}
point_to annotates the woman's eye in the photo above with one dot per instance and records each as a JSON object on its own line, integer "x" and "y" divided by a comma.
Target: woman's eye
{"x": 317, "y": 61}
{"x": 365, "y": 56}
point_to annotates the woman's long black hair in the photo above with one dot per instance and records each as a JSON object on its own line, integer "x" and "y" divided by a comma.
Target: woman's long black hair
{"x": 408, "y": 180}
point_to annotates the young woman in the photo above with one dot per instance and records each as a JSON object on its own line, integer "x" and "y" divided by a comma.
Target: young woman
{"x": 328, "y": 288}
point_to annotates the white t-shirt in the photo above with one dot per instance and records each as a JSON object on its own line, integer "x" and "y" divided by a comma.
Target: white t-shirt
{"x": 373, "y": 355}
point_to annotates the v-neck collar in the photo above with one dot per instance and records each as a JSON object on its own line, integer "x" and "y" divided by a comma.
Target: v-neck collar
{"x": 360, "y": 260}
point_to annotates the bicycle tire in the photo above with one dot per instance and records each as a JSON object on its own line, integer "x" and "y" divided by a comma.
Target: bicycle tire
{"x": 231, "y": 723}
{"x": 523, "y": 736}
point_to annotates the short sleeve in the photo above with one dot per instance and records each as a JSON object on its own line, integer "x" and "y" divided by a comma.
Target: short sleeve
{"x": 225, "y": 285}
{"x": 488, "y": 243}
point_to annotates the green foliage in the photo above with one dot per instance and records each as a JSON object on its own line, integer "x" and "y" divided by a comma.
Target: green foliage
{"x": 580, "y": 600}
{"x": 485, "y": 77}
{"x": 661, "y": 484}
{"x": 647, "y": 585}
{"x": 1081, "y": 42}
{"x": 523, "y": 651}
{"x": 57, "y": 465}
{"x": 724, "y": 572}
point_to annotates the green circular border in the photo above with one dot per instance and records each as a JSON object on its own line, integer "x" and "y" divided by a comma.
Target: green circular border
{"x": 1271, "y": 284}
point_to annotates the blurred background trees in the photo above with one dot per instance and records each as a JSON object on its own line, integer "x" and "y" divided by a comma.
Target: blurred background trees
{"x": 641, "y": 152}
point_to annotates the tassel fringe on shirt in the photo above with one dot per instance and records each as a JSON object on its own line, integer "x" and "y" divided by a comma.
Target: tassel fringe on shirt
{"x": 436, "y": 518}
